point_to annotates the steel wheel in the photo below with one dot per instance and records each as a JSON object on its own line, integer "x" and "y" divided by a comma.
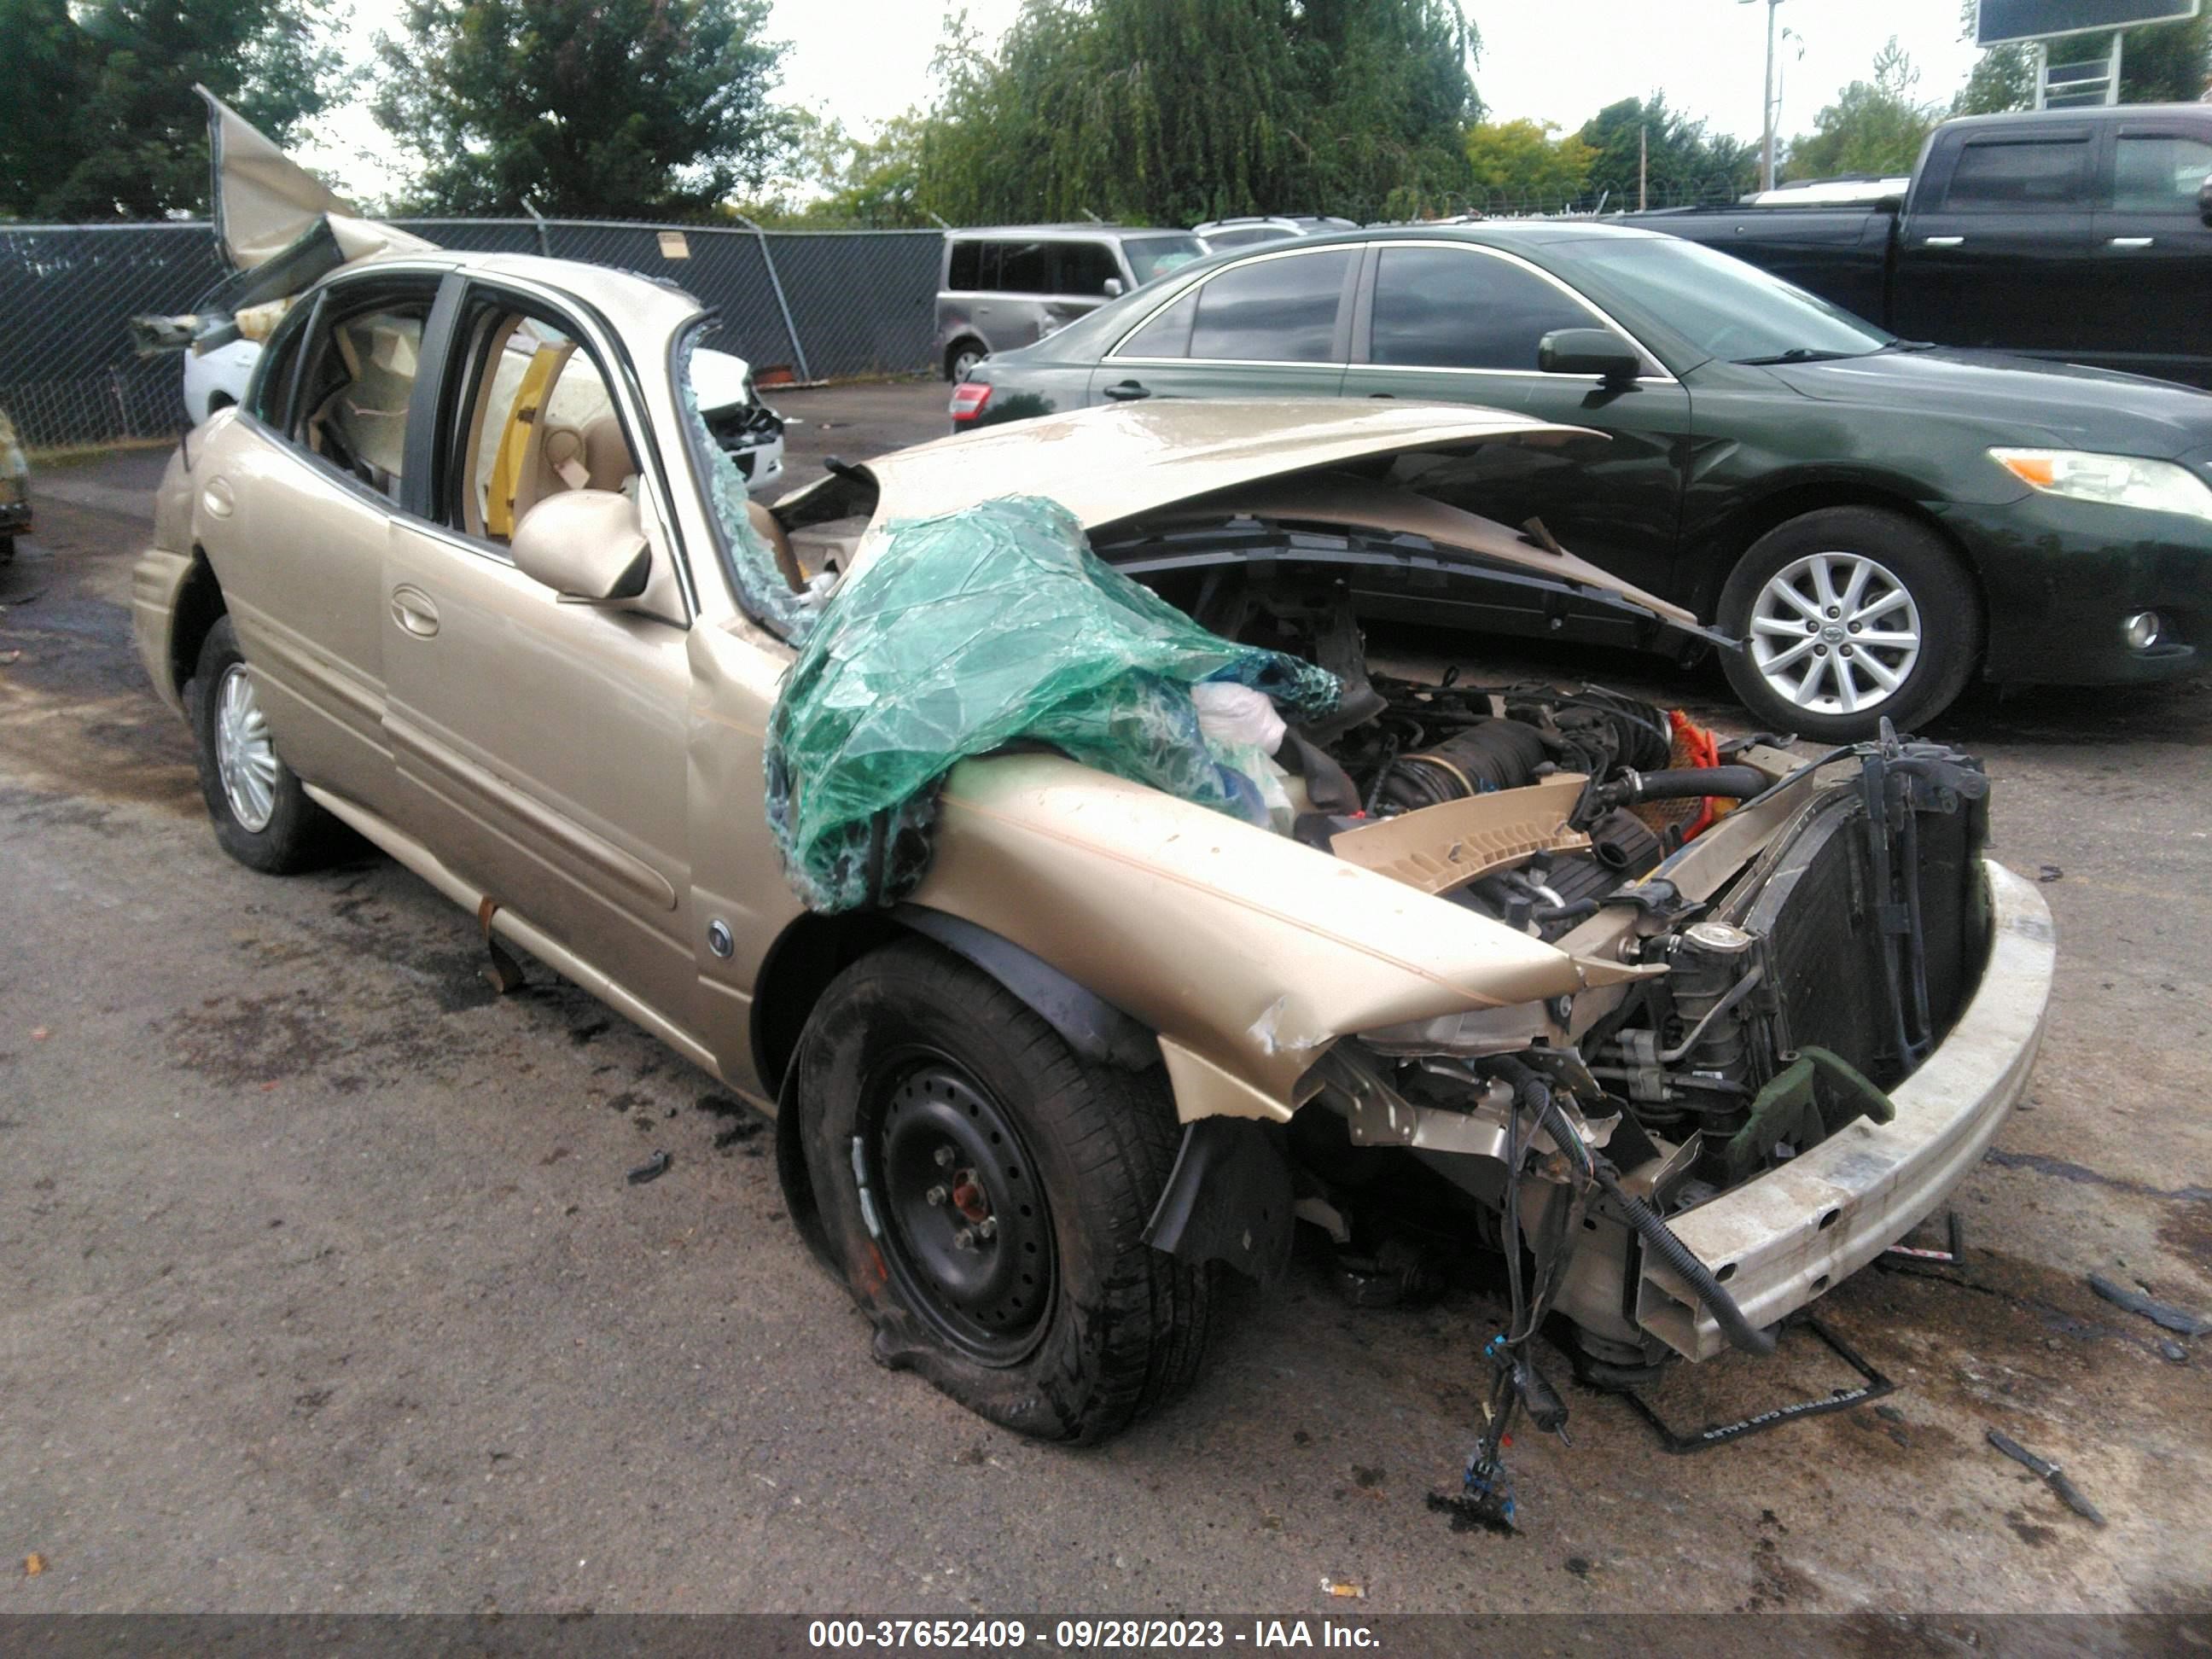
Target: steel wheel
{"x": 1834, "y": 633}
{"x": 966, "y": 1227}
{"x": 245, "y": 757}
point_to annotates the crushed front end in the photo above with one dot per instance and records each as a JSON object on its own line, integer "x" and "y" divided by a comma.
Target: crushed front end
{"x": 1825, "y": 1002}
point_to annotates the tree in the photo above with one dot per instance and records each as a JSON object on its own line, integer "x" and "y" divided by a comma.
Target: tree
{"x": 2165, "y": 62}
{"x": 830, "y": 178}
{"x": 1173, "y": 111}
{"x": 1685, "y": 162}
{"x": 1874, "y": 126}
{"x": 98, "y": 119}
{"x": 1520, "y": 165}
{"x": 610, "y": 107}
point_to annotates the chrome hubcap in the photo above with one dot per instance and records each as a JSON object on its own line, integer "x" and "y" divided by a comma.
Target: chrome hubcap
{"x": 245, "y": 759}
{"x": 1834, "y": 634}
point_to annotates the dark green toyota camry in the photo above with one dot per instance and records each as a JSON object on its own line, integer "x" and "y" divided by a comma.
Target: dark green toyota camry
{"x": 1877, "y": 519}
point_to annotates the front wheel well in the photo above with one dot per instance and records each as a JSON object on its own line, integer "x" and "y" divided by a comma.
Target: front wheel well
{"x": 797, "y": 968}
{"x": 200, "y": 605}
{"x": 1728, "y": 543}
{"x": 957, "y": 347}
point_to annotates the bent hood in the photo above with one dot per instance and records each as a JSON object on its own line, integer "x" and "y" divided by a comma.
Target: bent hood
{"x": 1122, "y": 461}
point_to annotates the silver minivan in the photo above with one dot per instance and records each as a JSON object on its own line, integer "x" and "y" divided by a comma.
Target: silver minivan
{"x": 1009, "y": 285}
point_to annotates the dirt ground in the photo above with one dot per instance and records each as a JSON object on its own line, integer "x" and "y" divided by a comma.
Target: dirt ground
{"x": 325, "y": 1288}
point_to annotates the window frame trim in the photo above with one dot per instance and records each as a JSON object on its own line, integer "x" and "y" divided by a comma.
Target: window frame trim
{"x": 2095, "y": 171}
{"x": 324, "y": 294}
{"x": 583, "y": 324}
{"x": 1362, "y": 341}
{"x": 1339, "y": 334}
{"x": 2108, "y": 189}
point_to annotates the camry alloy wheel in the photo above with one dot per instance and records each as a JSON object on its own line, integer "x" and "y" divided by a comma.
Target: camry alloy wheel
{"x": 966, "y": 1229}
{"x": 1834, "y": 633}
{"x": 245, "y": 758}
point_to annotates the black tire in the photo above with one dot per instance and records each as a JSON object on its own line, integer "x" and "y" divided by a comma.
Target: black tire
{"x": 298, "y": 833}
{"x": 1941, "y": 594}
{"x": 7, "y": 550}
{"x": 1072, "y": 1328}
{"x": 962, "y": 349}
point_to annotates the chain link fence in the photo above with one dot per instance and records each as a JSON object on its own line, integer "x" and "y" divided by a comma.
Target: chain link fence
{"x": 820, "y": 305}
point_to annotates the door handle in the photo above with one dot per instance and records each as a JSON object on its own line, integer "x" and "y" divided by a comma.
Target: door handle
{"x": 412, "y": 609}
{"x": 217, "y": 498}
{"x": 1128, "y": 391}
{"x": 1381, "y": 394}
{"x": 2130, "y": 241}
{"x": 1944, "y": 241}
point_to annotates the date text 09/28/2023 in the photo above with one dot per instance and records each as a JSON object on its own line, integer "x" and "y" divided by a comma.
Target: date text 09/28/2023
{"x": 1086, "y": 1635}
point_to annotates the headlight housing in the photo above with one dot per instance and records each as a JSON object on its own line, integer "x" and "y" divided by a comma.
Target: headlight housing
{"x": 2117, "y": 480}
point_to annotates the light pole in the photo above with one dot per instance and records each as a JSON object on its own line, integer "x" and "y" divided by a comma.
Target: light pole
{"x": 1767, "y": 106}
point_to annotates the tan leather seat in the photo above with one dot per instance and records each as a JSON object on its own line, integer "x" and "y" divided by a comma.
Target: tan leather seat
{"x": 607, "y": 462}
{"x": 770, "y": 532}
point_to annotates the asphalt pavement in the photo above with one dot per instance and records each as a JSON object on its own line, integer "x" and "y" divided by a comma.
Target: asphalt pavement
{"x": 324, "y": 1288}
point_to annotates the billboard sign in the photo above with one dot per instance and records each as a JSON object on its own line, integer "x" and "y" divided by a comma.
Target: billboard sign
{"x": 1998, "y": 22}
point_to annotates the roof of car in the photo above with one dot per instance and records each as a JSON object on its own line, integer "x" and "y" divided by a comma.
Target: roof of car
{"x": 624, "y": 296}
{"x": 2075, "y": 112}
{"x": 1082, "y": 228}
{"x": 1489, "y": 233}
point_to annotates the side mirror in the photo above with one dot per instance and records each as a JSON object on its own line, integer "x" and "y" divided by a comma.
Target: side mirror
{"x": 1113, "y": 288}
{"x": 1597, "y": 351}
{"x": 585, "y": 544}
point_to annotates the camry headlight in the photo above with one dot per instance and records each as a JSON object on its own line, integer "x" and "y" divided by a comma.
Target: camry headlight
{"x": 2118, "y": 480}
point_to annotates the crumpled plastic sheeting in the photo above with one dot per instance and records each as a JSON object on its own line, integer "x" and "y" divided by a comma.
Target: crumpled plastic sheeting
{"x": 972, "y": 631}
{"x": 762, "y": 592}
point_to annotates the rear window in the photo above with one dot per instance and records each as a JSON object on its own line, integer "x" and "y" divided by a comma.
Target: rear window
{"x": 1276, "y": 310}
{"x": 1992, "y": 177}
{"x": 1156, "y": 255}
{"x": 1032, "y": 266}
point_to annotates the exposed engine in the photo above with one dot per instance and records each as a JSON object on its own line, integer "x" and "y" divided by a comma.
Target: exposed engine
{"x": 1768, "y": 1028}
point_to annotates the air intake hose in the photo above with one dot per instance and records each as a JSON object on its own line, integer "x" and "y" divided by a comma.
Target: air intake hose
{"x": 1536, "y": 1094}
{"x": 1734, "y": 782}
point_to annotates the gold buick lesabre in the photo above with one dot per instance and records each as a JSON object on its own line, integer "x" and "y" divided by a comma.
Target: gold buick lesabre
{"x": 1680, "y": 1038}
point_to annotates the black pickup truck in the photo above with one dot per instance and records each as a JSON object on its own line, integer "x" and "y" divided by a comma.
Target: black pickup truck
{"x": 2080, "y": 235}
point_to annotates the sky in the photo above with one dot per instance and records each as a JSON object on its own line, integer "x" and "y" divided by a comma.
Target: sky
{"x": 864, "y": 61}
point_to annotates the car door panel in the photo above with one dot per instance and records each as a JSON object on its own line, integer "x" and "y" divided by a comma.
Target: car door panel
{"x": 297, "y": 543}
{"x": 299, "y": 559}
{"x": 540, "y": 750}
{"x": 2153, "y": 244}
{"x": 2000, "y": 253}
{"x": 1614, "y": 500}
{"x": 539, "y": 745}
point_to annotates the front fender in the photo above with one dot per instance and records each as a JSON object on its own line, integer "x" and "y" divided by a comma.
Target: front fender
{"x": 1248, "y": 952}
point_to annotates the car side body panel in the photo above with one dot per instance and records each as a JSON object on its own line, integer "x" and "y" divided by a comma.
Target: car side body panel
{"x": 1248, "y": 951}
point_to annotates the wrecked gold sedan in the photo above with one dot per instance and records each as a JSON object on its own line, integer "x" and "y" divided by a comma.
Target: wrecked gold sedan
{"x": 1687, "y": 1042}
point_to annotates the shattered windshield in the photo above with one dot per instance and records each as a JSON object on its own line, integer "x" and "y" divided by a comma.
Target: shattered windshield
{"x": 763, "y": 592}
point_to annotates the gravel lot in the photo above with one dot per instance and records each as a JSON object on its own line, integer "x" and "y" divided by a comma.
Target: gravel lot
{"x": 325, "y": 1290}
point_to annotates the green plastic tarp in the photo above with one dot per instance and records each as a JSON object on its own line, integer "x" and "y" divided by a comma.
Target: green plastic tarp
{"x": 967, "y": 633}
